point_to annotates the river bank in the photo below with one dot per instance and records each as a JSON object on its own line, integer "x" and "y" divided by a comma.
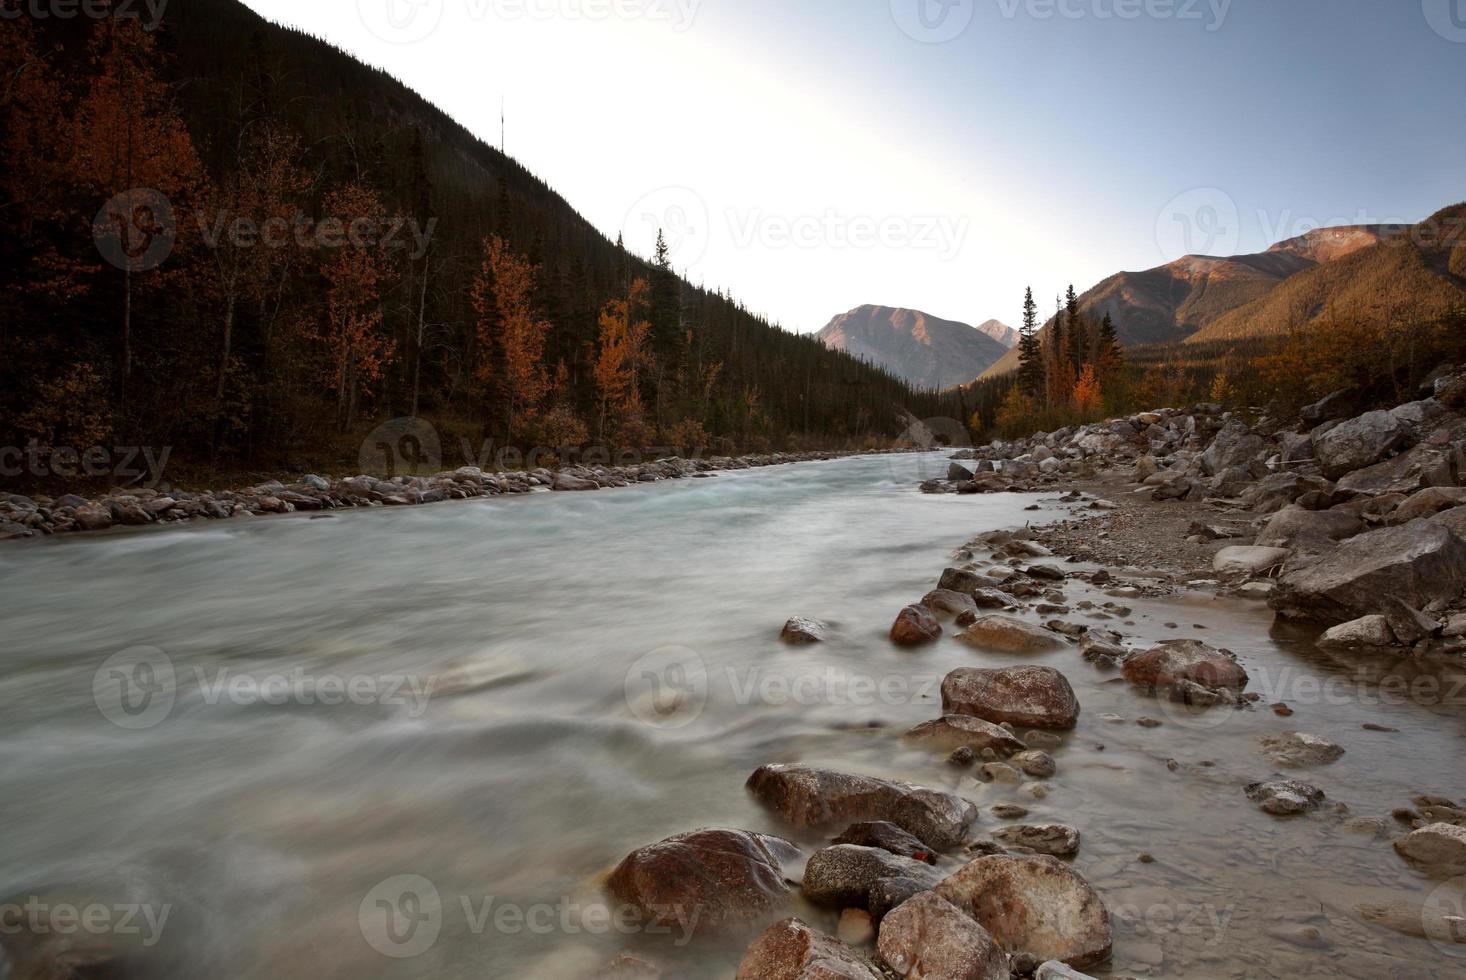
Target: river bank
{"x": 27, "y": 517}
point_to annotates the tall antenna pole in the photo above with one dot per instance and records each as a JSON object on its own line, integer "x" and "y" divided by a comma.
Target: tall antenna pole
{"x": 501, "y": 125}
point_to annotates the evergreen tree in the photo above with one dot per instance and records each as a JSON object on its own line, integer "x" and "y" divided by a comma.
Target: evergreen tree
{"x": 1030, "y": 351}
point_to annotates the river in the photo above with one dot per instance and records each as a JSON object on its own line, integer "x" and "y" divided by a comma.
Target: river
{"x": 253, "y": 740}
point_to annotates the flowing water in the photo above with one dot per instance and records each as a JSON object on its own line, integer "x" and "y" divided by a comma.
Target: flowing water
{"x": 409, "y": 742}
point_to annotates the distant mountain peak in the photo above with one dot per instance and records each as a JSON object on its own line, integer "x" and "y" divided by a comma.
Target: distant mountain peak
{"x": 925, "y": 351}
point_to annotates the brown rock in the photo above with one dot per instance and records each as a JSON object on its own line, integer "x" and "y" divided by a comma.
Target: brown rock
{"x": 929, "y": 937}
{"x": 1034, "y": 905}
{"x": 965, "y": 731}
{"x": 1008, "y": 635}
{"x": 888, "y": 837}
{"x": 791, "y": 950}
{"x": 842, "y": 875}
{"x": 1031, "y": 696}
{"x": 799, "y": 630}
{"x": 706, "y": 879}
{"x": 915, "y": 626}
{"x": 1168, "y": 664}
{"x": 810, "y": 797}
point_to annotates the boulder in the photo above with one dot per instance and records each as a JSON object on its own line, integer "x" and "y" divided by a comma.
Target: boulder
{"x": 1297, "y": 750}
{"x": 791, "y": 950}
{"x": 888, "y": 893}
{"x": 1439, "y": 848}
{"x": 927, "y": 938}
{"x": 1416, "y": 563}
{"x": 1173, "y": 662}
{"x": 961, "y": 580}
{"x": 1248, "y": 559}
{"x": 1360, "y": 442}
{"x": 1030, "y": 696}
{"x": 1050, "y": 838}
{"x": 841, "y": 875}
{"x": 1366, "y": 632}
{"x": 810, "y": 797}
{"x": 965, "y": 731}
{"x": 915, "y": 626}
{"x": 1277, "y": 490}
{"x": 1235, "y": 446}
{"x": 93, "y": 517}
{"x": 799, "y": 631}
{"x": 1423, "y": 466}
{"x": 1036, "y": 763}
{"x": 706, "y": 879}
{"x": 958, "y": 473}
{"x": 951, "y": 603}
{"x": 564, "y": 481}
{"x": 888, "y": 837}
{"x": 1285, "y": 797}
{"x": 1004, "y": 634}
{"x": 1292, "y": 524}
{"x": 1034, "y": 905}
{"x": 1339, "y": 405}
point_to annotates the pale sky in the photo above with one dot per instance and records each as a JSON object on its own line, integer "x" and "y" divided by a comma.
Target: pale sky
{"x": 813, "y": 155}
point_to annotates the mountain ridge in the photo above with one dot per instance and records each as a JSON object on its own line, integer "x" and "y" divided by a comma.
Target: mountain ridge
{"x": 925, "y": 351}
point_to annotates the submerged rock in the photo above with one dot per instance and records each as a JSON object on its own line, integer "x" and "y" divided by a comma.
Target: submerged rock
{"x": 1439, "y": 848}
{"x": 810, "y": 797}
{"x": 791, "y": 950}
{"x": 1173, "y": 662}
{"x": 1030, "y": 696}
{"x": 927, "y": 938}
{"x": 1008, "y": 635}
{"x": 965, "y": 731}
{"x": 1051, "y": 838}
{"x": 1034, "y": 905}
{"x": 1285, "y": 797}
{"x": 706, "y": 879}
{"x": 915, "y": 626}
{"x": 1366, "y": 632}
{"x": 1299, "y": 750}
{"x": 799, "y": 630}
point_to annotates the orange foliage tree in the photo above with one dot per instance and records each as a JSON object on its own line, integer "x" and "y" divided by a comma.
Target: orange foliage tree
{"x": 623, "y": 352}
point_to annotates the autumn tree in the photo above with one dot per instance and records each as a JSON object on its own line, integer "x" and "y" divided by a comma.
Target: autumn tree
{"x": 525, "y": 381}
{"x": 355, "y": 269}
{"x": 623, "y": 351}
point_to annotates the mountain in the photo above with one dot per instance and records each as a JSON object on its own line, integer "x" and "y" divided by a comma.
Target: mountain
{"x": 265, "y": 352}
{"x": 1417, "y": 272}
{"x": 1177, "y": 301}
{"x": 925, "y": 351}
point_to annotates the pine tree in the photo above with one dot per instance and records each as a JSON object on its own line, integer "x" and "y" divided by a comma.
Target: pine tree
{"x": 1109, "y": 355}
{"x": 1030, "y": 350}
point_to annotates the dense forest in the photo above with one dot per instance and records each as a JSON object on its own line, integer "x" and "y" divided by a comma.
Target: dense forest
{"x": 236, "y": 241}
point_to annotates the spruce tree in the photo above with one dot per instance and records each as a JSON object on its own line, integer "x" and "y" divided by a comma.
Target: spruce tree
{"x": 1030, "y": 350}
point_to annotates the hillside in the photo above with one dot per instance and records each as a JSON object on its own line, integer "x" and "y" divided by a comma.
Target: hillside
{"x": 241, "y": 356}
{"x": 1418, "y": 272}
{"x": 1172, "y": 302}
{"x": 925, "y": 351}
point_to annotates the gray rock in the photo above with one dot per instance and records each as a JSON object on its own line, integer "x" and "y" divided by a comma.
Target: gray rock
{"x": 1297, "y": 750}
{"x": 1440, "y": 848}
{"x": 1292, "y": 524}
{"x": 1249, "y": 559}
{"x": 1428, "y": 502}
{"x": 1360, "y": 442}
{"x": 1234, "y": 447}
{"x": 1036, "y": 905}
{"x": 1285, "y": 797}
{"x": 1051, "y": 838}
{"x": 1423, "y": 466}
{"x": 961, "y": 580}
{"x": 841, "y": 875}
{"x": 1366, "y": 632}
{"x": 957, "y": 473}
{"x": 799, "y": 630}
{"x": 1054, "y": 970}
{"x": 927, "y": 938}
{"x": 888, "y": 893}
{"x": 1416, "y": 563}
{"x": 1035, "y": 762}
{"x": 949, "y": 602}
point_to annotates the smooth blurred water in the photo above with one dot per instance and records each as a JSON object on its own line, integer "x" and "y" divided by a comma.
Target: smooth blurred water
{"x": 605, "y": 671}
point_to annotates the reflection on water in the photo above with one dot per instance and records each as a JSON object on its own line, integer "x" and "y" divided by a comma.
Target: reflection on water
{"x": 407, "y": 743}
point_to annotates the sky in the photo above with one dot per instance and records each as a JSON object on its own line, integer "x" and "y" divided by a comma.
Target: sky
{"x": 810, "y": 156}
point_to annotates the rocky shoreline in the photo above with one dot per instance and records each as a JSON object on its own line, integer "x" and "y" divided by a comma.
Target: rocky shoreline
{"x": 29, "y": 517}
{"x": 1353, "y": 523}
